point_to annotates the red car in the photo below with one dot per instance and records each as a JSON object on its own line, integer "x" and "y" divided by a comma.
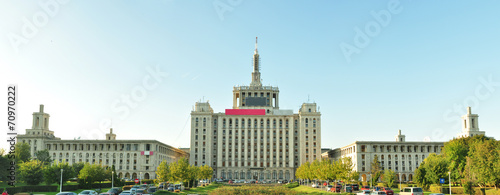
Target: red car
{"x": 365, "y": 188}
{"x": 337, "y": 188}
{"x": 388, "y": 191}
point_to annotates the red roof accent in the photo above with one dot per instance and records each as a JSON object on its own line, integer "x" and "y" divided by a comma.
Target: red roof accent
{"x": 245, "y": 111}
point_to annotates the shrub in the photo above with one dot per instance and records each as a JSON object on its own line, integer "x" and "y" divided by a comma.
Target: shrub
{"x": 436, "y": 188}
{"x": 292, "y": 185}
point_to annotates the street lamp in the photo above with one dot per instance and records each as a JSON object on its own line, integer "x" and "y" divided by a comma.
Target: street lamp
{"x": 449, "y": 180}
{"x": 112, "y": 179}
{"x": 400, "y": 181}
{"x": 140, "y": 177}
{"x": 60, "y": 190}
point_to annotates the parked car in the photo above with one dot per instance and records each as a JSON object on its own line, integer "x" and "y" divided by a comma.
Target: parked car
{"x": 140, "y": 191}
{"x": 126, "y": 192}
{"x": 127, "y": 187}
{"x": 355, "y": 187}
{"x": 412, "y": 191}
{"x": 152, "y": 190}
{"x": 378, "y": 193}
{"x": 88, "y": 192}
{"x": 364, "y": 192}
{"x": 114, "y": 191}
{"x": 170, "y": 189}
{"x": 66, "y": 193}
{"x": 337, "y": 188}
{"x": 388, "y": 191}
{"x": 329, "y": 187}
{"x": 230, "y": 181}
{"x": 365, "y": 188}
{"x": 348, "y": 189}
{"x": 314, "y": 185}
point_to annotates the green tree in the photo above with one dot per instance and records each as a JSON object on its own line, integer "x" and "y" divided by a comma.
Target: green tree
{"x": 43, "y": 156}
{"x": 436, "y": 168}
{"x": 117, "y": 181}
{"x": 91, "y": 174}
{"x": 420, "y": 173}
{"x": 389, "y": 177}
{"x": 315, "y": 169}
{"x": 456, "y": 151}
{"x": 77, "y": 167}
{"x": 52, "y": 174}
{"x": 375, "y": 169}
{"x": 206, "y": 172}
{"x": 22, "y": 152}
{"x": 483, "y": 160}
{"x": 163, "y": 172}
{"x": 180, "y": 170}
{"x": 4, "y": 163}
{"x": 194, "y": 174}
{"x": 31, "y": 172}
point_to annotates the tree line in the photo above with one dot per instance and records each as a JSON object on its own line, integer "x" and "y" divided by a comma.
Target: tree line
{"x": 471, "y": 161}
{"x": 182, "y": 171}
{"x": 327, "y": 170}
{"x": 34, "y": 171}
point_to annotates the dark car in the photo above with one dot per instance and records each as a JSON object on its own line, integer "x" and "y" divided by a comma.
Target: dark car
{"x": 348, "y": 189}
{"x": 66, "y": 193}
{"x": 355, "y": 187}
{"x": 114, "y": 191}
{"x": 152, "y": 190}
{"x": 365, "y": 188}
{"x": 171, "y": 188}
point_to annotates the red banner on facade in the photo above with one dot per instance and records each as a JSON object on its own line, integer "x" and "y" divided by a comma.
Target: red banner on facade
{"x": 245, "y": 112}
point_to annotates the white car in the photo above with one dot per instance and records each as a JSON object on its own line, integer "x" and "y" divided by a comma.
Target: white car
{"x": 88, "y": 192}
{"x": 314, "y": 185}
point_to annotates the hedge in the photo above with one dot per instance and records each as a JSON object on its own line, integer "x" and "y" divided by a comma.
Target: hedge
{"x": 38, "y": 188}
{"x": 70, "y": 187}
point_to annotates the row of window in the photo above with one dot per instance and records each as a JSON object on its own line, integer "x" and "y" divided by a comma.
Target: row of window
{"x": 434, "y": 149}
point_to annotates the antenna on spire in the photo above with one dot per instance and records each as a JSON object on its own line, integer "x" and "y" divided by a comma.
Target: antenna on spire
{"x": 256, "y": 45}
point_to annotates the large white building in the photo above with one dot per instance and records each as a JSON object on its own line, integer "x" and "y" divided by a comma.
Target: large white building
{"x": 131, "y": 158}
{"x": 255, "y": 139}
{"x": 399, "y": 155}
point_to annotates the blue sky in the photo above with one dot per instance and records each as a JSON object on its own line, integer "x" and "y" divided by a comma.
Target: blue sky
{"x": 416, "y": 71}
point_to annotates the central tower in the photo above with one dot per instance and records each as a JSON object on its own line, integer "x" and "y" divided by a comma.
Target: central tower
{"x": 256, "y": 96}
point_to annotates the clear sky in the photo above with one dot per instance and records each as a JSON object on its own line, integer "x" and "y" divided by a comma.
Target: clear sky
{"x": 373, "y": 67}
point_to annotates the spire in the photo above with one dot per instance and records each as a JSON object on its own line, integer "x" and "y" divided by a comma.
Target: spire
{"x": 256, "y": 68}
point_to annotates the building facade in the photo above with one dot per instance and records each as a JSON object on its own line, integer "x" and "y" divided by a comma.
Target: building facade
{"x": 255, "y": 139}
{"x": 131, "y": 158}
{"x": 399, "y": 155}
